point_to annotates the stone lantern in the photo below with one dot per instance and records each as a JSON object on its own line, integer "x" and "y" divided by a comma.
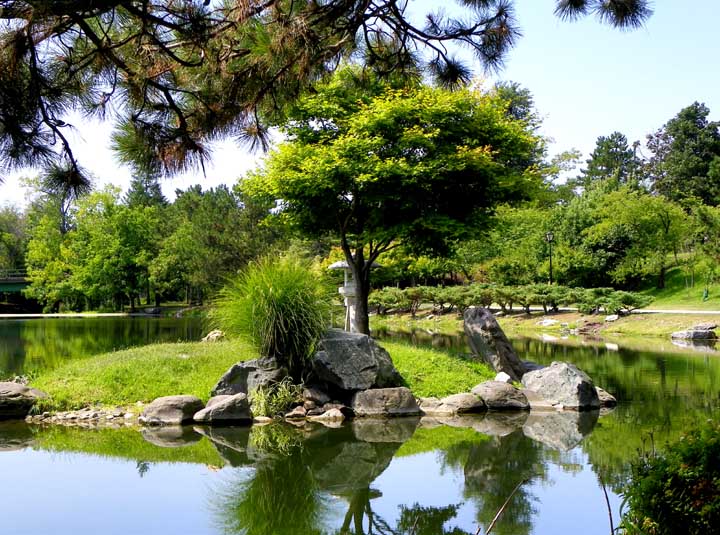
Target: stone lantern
{"x": 349, "y": 292}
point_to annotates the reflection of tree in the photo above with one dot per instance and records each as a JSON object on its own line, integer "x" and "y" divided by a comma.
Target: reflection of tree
{"x": 142, "y": 467}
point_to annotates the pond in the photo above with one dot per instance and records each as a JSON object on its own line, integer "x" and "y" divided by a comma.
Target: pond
{"x": 34, "y": 344}
{"x": 406, "y": 476}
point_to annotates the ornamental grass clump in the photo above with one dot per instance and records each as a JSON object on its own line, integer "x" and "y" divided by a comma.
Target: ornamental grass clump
{"x": 281, "y": 305}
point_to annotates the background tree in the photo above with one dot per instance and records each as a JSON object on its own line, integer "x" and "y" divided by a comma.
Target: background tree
{"x": 415, "y": 167}
{"x": 611, "y": 159}
{"x": 183, "y": 73}
{"x": 145, "y": 191}
{"x": 13, "y": 238}
{"x": 686, "y": 156}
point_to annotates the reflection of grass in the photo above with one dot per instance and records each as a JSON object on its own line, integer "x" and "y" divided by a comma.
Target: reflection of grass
{"x": 439, "y": 438}
{"x": 141, "y": 374}
{"x": 430, "y": 372}
{"x": 124, "y": 444}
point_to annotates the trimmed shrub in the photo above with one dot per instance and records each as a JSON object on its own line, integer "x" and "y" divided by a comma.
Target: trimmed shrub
{"x": 280, "y": 305}
{"x": 677, "y": 491}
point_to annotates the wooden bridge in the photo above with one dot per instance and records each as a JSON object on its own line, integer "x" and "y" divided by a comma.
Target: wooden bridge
{"x": 13, "y": 281}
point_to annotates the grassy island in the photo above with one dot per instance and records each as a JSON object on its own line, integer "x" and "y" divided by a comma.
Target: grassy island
{"x": 122, "y": 378}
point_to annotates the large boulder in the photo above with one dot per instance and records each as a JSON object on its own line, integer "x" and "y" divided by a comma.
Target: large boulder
{"x": 703, "y": 331}
{"x": 385, "y": 402}
{"x": 563, "y": 384}
{"x": 225, "y": 410}
{"x": 348, "y": 362}
{"x": 16, "y": 400}
{"x": 488, "y": 341}
{"x": 171, "y": 410}
{"x": 244, "y": 377}
{"x": 499, "y": 396}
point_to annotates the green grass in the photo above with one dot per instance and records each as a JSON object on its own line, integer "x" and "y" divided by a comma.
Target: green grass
{"x": 450, "y": 323}
{"x": 679, "y": 294}
{"x": 144, "y": 373}
{"x": 122, "y": 378}
{"x": 430, "y": 372}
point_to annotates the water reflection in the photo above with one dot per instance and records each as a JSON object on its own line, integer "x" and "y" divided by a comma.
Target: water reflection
{"x": 33, "y": 344}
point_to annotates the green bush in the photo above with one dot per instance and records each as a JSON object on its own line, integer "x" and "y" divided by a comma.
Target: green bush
{"x": 275, "y": 399}
{"x": 280, "y": 305}
{"x": 677, "y": 491}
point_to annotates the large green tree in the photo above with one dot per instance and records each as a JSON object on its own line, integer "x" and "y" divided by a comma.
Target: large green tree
{"x": 416, "y": 167}
{"x": 686, "y": 156}
{"x": 175, "y": 74}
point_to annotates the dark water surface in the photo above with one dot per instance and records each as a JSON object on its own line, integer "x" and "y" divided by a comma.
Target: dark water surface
{"x": 35, "y": 344}
{"x": 400, "y": 477}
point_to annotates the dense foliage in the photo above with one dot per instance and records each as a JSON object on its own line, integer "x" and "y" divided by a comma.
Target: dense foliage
{"x": 175, "y": 74}
{"x": 379, "y": 166}
{"x": 549, "y": 297}
{"x": 281, "y": 306}
{"x": 677, "y": 490}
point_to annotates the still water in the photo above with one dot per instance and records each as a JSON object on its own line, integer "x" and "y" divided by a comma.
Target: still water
{"x": 402, "y": 477}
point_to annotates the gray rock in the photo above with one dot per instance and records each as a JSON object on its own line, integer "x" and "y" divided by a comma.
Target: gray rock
{"x": 351, "y": 362}
{"x": 298, "y": 413}
{"x": 503, "y": 377}
{"x": 385, "y": 402}
{"x": 171, "y": 410}
{"x": 694, "y": 334}
{"x": 333, "y": 415}
{"x": 451, "y": 405}
{"x": 708, "y": 326}
{"x": 612, "y": 317}
{"x": 214, "y": 336}
{"x": 17, "y": 399}
{"x": 223, "y": 410}
{"x": 244, "y": 377}
{"x": 537, "y": 402}
{"x": 606, "y": 399}
{"x": 501, "y": 396}
{"x": 315, "y": 395}
{"x": 561, "y": 430}
{"x": 563, "y": 384}
{"x": 488, "y": 341}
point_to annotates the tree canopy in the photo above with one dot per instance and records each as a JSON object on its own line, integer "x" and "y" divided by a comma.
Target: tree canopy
{"x": 173, "y": 75}
{"x": 415, "y": 166}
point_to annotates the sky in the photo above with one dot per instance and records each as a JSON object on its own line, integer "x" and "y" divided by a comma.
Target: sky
{"x": 588, "y": 80}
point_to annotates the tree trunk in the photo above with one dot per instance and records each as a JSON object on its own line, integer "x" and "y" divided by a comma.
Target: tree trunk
{"x": 661, "y": 278}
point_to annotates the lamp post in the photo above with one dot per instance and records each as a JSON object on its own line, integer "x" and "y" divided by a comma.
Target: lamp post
{"x": 549, "y": 237}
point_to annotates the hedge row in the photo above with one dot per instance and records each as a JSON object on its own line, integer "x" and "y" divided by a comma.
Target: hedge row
{"x": 548, "y": 296}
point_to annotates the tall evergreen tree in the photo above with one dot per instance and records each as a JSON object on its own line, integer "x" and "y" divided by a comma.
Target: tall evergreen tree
{"x": 145, "y": 191}
{"x": 686, "y": 156}
{"x": 182, "y": 73}
{"x": 611, "y": 159}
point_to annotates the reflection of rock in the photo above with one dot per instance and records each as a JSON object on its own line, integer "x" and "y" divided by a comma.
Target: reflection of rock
{"x": 562, "y": 430}
{"x": 230, "y": 442}
{"x": 382, "y": 430}
{"x": 491, "y": 423}
{"x": 16, "y": 400}
{"x": 488, "y": 341}
{"x": 385, "y": 402}
{"x": 352, "y": 465}
{"x": 171, "y": 410}
{"x": 15, "y": 436}
{"x": 703, "y": 346}
{"x": 244, "y": 377}
{"x": 563, "y": 384}
{"x": 349, "y": 362}
{"x": 171, "y": 436}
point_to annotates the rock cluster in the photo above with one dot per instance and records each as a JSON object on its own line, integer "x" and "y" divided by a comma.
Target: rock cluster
{"x": 87, "y": 417}
{"x": 703, "y": 331}
{"x": 16, "y": 400}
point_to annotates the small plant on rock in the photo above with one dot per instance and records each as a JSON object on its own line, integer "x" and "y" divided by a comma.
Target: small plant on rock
{"x": 275, "y": 399}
